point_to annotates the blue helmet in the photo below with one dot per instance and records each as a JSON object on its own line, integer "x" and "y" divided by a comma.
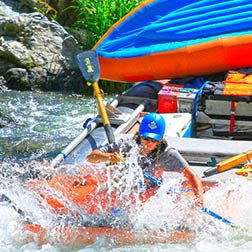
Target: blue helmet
{"x": 153, "y": 126}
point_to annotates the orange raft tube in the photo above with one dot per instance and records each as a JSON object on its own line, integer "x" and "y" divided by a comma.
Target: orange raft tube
{"x": 83, "y": 192}
{"x": 195, "y": 60}
{"x": 80, "y": 236}
{"x": 172, "y": 39}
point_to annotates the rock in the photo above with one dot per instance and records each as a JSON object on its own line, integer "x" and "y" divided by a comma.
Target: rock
{"x": 3, "y": 88}
{"x": 66, "y": 15}
{"x": 36, "y": 52}
{"x": 17, "y": 78}
{"x": 7, "y": 122}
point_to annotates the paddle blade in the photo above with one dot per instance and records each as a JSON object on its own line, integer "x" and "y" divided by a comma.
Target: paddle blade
{"x": 89, "y": 65}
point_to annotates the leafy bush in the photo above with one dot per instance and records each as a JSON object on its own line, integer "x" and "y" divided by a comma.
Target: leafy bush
{"x": 97, "y": 16}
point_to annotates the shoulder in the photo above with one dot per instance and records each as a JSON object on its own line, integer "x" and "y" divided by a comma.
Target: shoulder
{"x": 171, "y": 159}
{"x": 166, "y": 148}
{"x": 171, "y": 151}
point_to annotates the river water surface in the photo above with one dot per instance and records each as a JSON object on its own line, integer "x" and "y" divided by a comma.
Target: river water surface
{"x": 46, "y": 123}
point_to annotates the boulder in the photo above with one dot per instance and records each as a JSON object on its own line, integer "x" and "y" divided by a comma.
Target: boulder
{"x": 36, "y": 53}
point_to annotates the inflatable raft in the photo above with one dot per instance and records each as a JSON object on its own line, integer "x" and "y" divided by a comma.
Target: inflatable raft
{"x": 106, "y": 213}
{"x": 168, "y": 39}
{"x": 85, "y": 212}
{"x": 88, "y": 209}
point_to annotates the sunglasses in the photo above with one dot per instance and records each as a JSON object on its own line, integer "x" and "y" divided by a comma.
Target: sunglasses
{"x": 149, "y": 139}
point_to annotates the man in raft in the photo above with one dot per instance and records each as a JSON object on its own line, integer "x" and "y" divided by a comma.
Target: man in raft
{"x": 155, "y": 155}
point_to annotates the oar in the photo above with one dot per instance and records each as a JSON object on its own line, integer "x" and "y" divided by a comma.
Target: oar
{"x": 89, "y": 65}
{"x": 229, "y": 163}
{"x": 93, "y": 220}
{"x": 4, "y": 198}
{"x": 203, "y": 209}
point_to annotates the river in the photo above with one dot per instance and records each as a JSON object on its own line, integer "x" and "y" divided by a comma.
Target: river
{"x": 46, "y": 123}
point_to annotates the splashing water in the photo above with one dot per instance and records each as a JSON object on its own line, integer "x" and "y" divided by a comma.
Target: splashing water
{"x": 161, "y": 212}
{"x": 51, "y": 121}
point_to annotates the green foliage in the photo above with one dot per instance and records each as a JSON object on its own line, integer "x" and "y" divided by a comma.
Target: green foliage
{"x": 40, "y": 6}
{"x": 97, "y": 16}
{"x": 31, "y": 63}
{"x": 114, "y": 87}
{"x": 55, "y": 17}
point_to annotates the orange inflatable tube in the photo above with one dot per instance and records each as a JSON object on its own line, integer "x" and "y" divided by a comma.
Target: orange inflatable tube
{"x": 80, "y": 236}
{"x": 83, "y": 191}
{"x": 195, "y": 60}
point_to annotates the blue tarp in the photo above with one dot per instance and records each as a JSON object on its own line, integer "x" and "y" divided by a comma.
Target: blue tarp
{"x": 165, "y": 25}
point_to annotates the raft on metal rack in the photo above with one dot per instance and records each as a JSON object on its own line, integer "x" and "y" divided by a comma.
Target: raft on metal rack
{"x": 163, "y": 39}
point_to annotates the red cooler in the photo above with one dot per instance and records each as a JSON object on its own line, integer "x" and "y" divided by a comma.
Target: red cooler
{"x": 167, "y": 100}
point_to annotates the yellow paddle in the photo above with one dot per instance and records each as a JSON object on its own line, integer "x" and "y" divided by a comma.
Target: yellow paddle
{"x": 89, "y": 65}
{"x": 229, "y": 163}
{"x": 245, "y": 171}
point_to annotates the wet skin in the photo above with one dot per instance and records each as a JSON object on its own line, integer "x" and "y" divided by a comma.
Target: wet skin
{"x": 147, "y": 145}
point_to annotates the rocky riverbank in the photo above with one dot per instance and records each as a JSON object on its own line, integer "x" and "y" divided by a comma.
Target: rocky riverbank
{"x": 36, "y": 53}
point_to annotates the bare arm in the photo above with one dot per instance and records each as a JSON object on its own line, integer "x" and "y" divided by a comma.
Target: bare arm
{"x": 196, "y": 184}
{"x": 97, "y": 156}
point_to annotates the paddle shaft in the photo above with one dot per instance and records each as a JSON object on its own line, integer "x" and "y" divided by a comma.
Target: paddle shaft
{"x": 116, "y": 217}
{"x": 203, "y": 209}
{"x": 4, "y": 198}
{"x": 229, "y": 163}
{"x": 103, "y": 113}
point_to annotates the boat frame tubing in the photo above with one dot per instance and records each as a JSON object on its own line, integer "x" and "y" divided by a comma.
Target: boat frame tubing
{"x": 63, "y": 154}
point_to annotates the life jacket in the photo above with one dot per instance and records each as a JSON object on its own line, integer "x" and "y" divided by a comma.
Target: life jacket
{"x": 237, "y": 87}
{"x": 238, "y": 84}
